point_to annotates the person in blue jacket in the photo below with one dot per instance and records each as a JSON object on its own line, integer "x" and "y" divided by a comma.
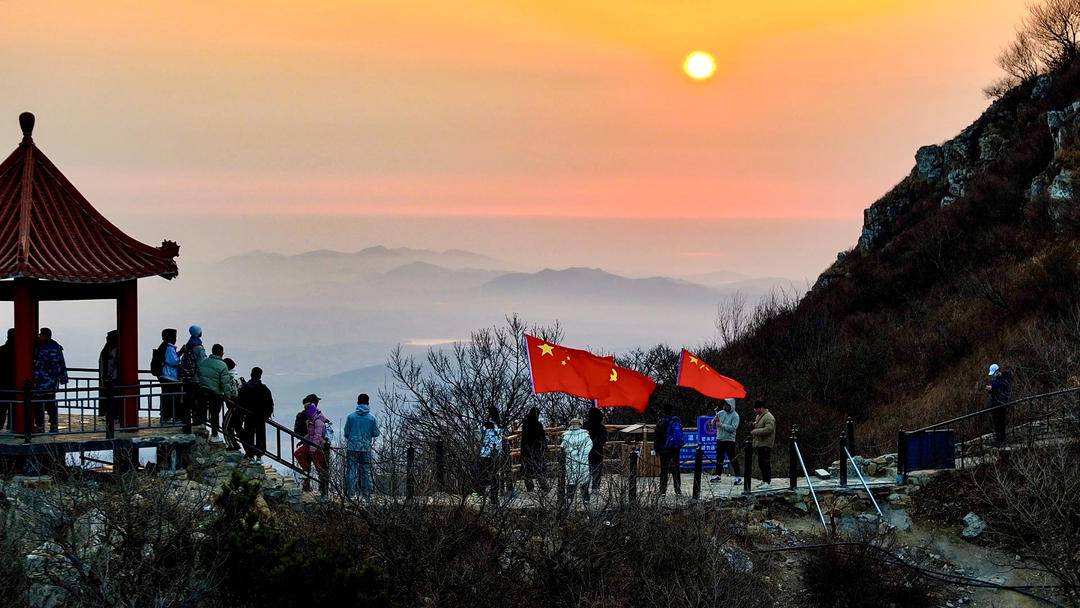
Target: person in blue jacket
{"x": 361, "y": 429}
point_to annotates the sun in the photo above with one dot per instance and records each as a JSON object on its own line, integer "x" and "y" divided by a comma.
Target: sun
{"x": 699, "y": 65}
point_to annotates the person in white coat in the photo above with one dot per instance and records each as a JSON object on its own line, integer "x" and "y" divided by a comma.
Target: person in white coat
{"x": 576, "y": 446}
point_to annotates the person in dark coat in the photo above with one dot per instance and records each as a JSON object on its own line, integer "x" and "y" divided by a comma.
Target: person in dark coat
{"x": 598, "y": 434}
{"x": 669, "y": 458}
{"x": 7, "y": 379}
{"x": 533, "y": 451}
{"x": 50, "y": 371}
{"x": 999, "y": 387}
{"x": 257, "y": 403}
{"x": 109, "y": 375}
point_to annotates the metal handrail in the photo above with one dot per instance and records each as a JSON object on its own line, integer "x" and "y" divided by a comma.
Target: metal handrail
{"x": 985, "y": 411}
{"x": 863, "y": 481}
{"x": 810, "y": 484}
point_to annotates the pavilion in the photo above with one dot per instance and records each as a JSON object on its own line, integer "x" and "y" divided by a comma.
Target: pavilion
{"x": 55, "y": 246}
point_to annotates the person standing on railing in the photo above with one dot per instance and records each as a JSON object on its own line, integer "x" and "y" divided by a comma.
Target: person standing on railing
{"x": 534, "y": 451}
{"x": 726, "y": 424}
{"x": 191, "y": 355}
{"x": 598, "y": 434}
{"x": 165, "y": 365}
{"x": 257, "y": 402}
{"x": 50, "y": 371}
{"x": 576, "y": 446}
{"x": 8, "y": 390}
{"x": 999, "y": 387}
{"x": 764, "y": 436}
{"x": 361, "y": 429}
{"x": 667, "y": 443}
{"x": 217, "y": 385}
{"x": 108, "y": 376}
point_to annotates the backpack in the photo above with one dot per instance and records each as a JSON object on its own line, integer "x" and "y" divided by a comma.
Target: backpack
{"x": 189, "y": 367}
{"x": 299, "y": 426}
{"x": 157, "y": 361}
{"x": 673, "y": 438}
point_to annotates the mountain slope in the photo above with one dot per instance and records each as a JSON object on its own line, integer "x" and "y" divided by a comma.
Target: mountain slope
{"x": 970, "y": 259}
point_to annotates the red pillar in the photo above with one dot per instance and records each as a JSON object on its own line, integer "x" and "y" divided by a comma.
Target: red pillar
{"x": 127, "y": 325}
{"x": 26, "y": 329}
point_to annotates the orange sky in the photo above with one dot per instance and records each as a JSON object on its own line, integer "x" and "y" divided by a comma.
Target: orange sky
{"x": 496, "y": 108}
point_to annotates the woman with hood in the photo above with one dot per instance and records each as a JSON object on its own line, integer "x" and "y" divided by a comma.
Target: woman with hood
{"x": 533, "y": 448}
{"x": 598, "y": 435}
{"x": 310, "y": 452}
{"x": 576, "y": 446}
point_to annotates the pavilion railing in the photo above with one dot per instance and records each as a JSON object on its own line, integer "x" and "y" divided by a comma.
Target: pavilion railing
{"x": 84, "y": 407}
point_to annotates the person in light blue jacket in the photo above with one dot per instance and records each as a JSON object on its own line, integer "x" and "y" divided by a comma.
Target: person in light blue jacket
{"x": 361, "y": 429}
{"x": 726, "y": 424}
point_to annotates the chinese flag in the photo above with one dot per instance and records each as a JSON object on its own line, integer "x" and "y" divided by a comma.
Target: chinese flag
{"x": 628, "y": 389}
{"x": 558, "y": 369}
{"x": 696, "y": 374}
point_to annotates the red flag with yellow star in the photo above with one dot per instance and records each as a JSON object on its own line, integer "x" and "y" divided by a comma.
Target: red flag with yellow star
{"x": 628, "y": 389}
{"x": 558, "y": 369}
{"x": 696, "y": 374}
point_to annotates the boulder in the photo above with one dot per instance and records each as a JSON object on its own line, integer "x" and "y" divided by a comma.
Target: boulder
{"x": 1061, "y": 189}
{"x": 929, "y": 163}
{"x": 957, "y": 180}
{"x": 973, "y": 526}
{"x": 947, "y": 201}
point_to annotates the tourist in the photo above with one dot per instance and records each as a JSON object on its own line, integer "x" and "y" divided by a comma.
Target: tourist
{"x": 109, "y": 377}
{"x": 667, "y": 443}
{"x": 232, "y": 425}
{"x": 598, "y": 434}
{"x": 999, "y": 386}
{"x": 191, "y": 355}
{"x": 257, "y": 403}
{"x": 311, "y": 449}
{"x": 361, "y": 429}
{"x": 8, "y": 389}
{"x": 763, "y": 435}
{"x": 50, "y": 371}
{"x": 490, "y": 455}
{"x": 216, "y": 385}
{"x": 726, "y": 423}
{"x": 576, "y": 446}
{"x": 533, "y": 451}
{"x": 165, "y": 366}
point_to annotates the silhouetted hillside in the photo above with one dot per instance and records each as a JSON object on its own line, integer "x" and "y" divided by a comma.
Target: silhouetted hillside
{"x": 970, "y": 259}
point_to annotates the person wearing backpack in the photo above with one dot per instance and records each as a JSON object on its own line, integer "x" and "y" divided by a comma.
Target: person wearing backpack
{"x": 310, "y": 452}
{"x": 763, "y": 435}
{"x": 667, "y": 443}
{"x": 191, "y": 355}
{"x": 165, "y": 366}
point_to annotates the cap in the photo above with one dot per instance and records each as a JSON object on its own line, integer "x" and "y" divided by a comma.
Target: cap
{"x": 994, "y": 369}
{"x": 312, "y": 398}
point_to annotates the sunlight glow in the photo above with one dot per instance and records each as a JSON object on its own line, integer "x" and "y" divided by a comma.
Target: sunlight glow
{"x": 699, "y": 65}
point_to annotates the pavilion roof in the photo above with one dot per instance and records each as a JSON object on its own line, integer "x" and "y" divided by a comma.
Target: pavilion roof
{"x": 49, "y": 231}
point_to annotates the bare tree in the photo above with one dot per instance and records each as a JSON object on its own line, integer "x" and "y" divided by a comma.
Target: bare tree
{"x": 1047, "y": 40}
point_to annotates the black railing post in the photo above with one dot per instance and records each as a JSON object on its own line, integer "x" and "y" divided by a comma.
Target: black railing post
{"x": 793, "y": 457}
{"x": 324, "y": 474}
{"x": 28, "y": 410}
{"x": 850, "y": 434}
{"x": 410, "y": 472}
{"x": 699, "y": 456}
{"x": 843, "y": 457}
{"x": 440, "y": 465}
{"x": 110, "y": 413}
{"x": 748, "y": 465}
{"x": 901, "y": 456}
{"x": 632, "y": 474}
{"x": 180, "y": 400}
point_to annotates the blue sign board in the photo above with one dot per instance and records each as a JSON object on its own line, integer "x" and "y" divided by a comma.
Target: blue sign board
{"x": 703, "y": 436}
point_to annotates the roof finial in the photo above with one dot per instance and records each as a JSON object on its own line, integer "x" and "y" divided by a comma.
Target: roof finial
{"x": 26, "y": 121}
